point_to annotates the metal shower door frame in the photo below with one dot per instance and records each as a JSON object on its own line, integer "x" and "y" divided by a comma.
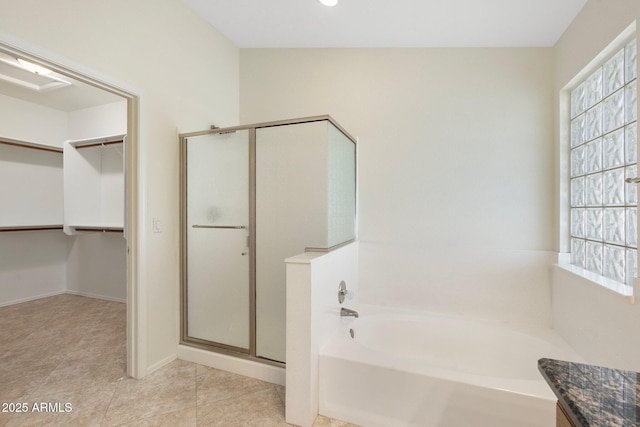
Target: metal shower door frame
{"x": 183, "y": 138}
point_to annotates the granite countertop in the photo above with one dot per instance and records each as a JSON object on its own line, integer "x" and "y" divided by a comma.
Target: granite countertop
{"x": 594, "y": 396}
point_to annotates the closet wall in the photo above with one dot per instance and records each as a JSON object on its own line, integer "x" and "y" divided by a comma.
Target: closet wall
{"x": 35, "y": 264}
{"x": 32, "y": 264}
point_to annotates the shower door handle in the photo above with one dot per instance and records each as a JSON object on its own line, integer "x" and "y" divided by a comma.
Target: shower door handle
{"x": 238, "y": 227}
{"x": 632, "y": 180}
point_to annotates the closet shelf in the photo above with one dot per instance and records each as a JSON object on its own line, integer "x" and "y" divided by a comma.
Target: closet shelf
{"x": 97, "y": 142}
{"x": 5, "y": 229}
{"x": 31, "y": 145}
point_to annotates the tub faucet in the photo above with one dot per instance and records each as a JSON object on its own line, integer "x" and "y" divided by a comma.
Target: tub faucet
{"x": 347, "y": 312}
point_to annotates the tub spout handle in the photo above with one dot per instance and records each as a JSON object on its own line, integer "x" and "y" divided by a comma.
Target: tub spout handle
{"x": 345, "y": 312}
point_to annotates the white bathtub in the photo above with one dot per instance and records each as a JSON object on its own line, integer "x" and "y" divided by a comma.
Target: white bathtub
{"x": 408, "y": 369}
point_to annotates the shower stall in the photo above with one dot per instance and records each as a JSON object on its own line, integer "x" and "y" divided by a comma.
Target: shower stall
{"x": 252, "y": 196}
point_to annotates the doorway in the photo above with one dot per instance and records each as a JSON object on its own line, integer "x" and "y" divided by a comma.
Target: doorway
{"x": 73, "y": 89}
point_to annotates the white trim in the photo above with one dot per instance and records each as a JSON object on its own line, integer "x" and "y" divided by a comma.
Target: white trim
{"x": 562, "y": 258}
{"x": 248, "y": 368}
{"x": 161, "y": 363}
{"x": 612, "y": 285}
{"x": 32, "y": 298}
{"x": 62, "y": 292}
{"x": 564, "y": 155}
{"x": 96, "y": 296}
{"x": 65, "y": 66}
{"x": 136, "y": 207}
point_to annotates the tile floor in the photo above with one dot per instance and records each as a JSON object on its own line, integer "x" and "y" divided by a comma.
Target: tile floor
{"x": 68, "y": 349}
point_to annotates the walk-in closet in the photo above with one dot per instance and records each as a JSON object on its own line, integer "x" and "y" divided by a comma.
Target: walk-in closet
{"x": 62, "y": 187}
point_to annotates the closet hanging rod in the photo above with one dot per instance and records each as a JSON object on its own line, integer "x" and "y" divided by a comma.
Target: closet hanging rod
{"x": 31, "y": 228}
{"x": 100, "y": 229}
{"x": 239, "y": 227}
{"x": 99, "y": 144}
{"x": 31, "y": 145}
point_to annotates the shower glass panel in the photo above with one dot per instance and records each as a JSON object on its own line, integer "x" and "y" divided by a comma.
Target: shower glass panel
{"x": 341, "y": 187}
{"x": 217, "y": 230}
{"x": 253, "y": 196}
{"x": 291, "y": 163}
{"x": 305, "y": 198}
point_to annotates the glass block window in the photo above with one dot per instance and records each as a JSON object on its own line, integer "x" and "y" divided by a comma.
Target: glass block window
{"x": 603, "y": 138}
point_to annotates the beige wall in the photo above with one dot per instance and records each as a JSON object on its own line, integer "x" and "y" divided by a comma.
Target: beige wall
{"x": 598, "y": 323}
{"x": 187, "y": 77}
{"x": 443, "y": 132}
{"x": 456, "y": 182}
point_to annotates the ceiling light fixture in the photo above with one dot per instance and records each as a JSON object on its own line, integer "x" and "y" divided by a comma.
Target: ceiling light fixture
{"x": 329, "y": 2}
{"x": 34, "y": 68}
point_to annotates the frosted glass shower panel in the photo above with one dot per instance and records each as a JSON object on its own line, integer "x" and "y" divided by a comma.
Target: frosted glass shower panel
{"x": 291, "y": 211}
{"x": 218, "y": 261}
{"x": 341, "y": 188}
{"x": 305, "y": 200}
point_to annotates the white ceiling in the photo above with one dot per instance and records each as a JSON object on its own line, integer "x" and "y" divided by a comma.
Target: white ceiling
{"x": 391, "y": 23}
{"x": 352, "y": 23}
{"x": 52, "y": 90}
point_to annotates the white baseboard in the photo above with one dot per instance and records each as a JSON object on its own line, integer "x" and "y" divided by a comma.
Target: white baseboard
{"x": 90, "y": 295}
{"x": 32, "y": 298}
{"x": 562, "y": 258}
{"x": 160, "y": 364}
{"x": 248, "y": 368}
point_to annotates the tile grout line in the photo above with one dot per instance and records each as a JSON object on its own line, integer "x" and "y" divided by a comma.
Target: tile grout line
{"x": 104, "y": 416}
{"x": 195, "y": 378}
{"x": 66, "y": 356}
{"x": 44, "y": 327}
{"x": 115, "y": 390}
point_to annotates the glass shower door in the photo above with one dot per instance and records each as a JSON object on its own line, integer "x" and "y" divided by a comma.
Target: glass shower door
{"x": 218, "y": 255}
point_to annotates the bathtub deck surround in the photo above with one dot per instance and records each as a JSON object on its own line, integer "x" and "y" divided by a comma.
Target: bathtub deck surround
{"x": 410, "y": 368}
{"x": 406, "y": 367}
{"x": 313, "y": 317}
{"x": 593, "y": 396}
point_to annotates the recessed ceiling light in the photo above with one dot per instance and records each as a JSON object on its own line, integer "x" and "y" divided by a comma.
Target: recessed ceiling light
{"x": 329, "y": 2}
{"x": 34, "y": 68}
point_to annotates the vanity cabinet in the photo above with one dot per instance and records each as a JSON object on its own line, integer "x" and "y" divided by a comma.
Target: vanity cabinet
{"x": 592, "y": 396}
{"x": 562, "y": 420}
